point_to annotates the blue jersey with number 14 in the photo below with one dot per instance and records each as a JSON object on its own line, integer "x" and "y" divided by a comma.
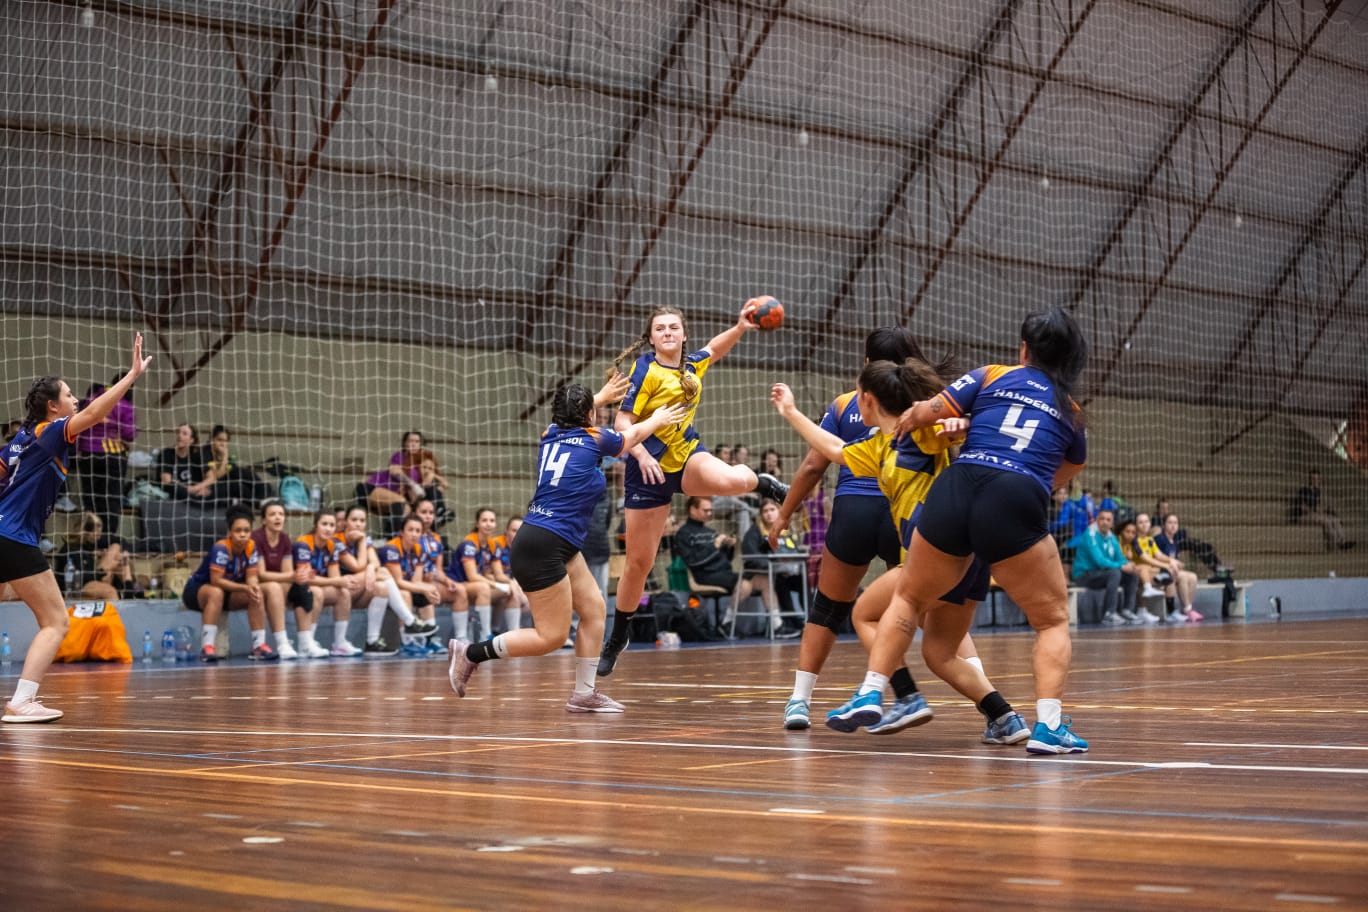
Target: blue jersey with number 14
{"x": 569, "y": 479}
{"x": 1015, "y": 424}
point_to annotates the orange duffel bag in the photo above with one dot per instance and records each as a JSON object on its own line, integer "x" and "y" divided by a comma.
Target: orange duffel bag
{"x": 97, "y": 635}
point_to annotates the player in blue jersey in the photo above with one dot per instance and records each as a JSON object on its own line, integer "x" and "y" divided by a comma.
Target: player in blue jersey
{"x": 227, "y": 579}
{"x": 37, "y": 474}
{"x": 662, "y": 372}
{"x": 546, "y": 558}
{"x": 1025, "y": 439}
{"x": 861, "y": 529}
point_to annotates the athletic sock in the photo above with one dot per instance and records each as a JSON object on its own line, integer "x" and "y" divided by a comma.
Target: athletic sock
{"x": 375, "y": 618}
{"x": 460, "y": 625}
{"x": 488, "y": 649}
{"x": 397, "y": 603}
{"x": 903, "y": 685}
{"x": 24, "y": 691}
{"x": 486, "y": 625}
{"x": 283, "y": 639}
{"x": 1049, "y": 712}
{"x": 873, "y": 681}
{"x": 258, "y": 638}
{"x": 339, "y": 632}
{"x": 622, "y": 626}
{"x": 803, "y": 682}
{"x": 208, "y": 634}
{"x": 994, "y": 707}
{"x": 585, "y": 674}
{"x": 512, "y": 618}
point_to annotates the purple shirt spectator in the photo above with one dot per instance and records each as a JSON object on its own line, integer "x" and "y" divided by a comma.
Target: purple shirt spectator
{"x": 114, "y": 434}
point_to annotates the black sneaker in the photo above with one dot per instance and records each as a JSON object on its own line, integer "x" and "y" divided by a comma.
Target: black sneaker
{"x": 378, "y": 647}
{"x": 767, "y": 486}
{"x": 420, "y": 627}
{"x": 611, "y": 651}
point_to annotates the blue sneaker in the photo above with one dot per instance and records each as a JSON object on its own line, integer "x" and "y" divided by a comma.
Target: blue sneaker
{"x": 1010, "y": 729}
{"x": 435, "y": 647}
{"x": 1055, "y": 741}
{"x": 904, "y": 713}
{"x": 796, "y": 717}
{"x": 413, "y": 651}
{"x": 857, "y": 712}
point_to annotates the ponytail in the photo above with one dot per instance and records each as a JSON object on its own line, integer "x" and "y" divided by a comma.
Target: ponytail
{"x": 44, "y": 391}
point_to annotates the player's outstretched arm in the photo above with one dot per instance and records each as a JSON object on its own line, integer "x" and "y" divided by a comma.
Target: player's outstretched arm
{"x": 98, "y": 410}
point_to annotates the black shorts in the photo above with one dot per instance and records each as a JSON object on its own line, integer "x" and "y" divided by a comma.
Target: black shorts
{"x": 861, "y": 529}
{"x": 539, "y": 558}
{"x": 973, "y": 586}
{"x": 18, "y": 560}
{"x": 421, "y": 601}
{"x": 976, "y": 509}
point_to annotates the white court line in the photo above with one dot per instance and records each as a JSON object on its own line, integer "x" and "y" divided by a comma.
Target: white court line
{"x": 1062, "y": 760}
{"x": 1312, "y": 747}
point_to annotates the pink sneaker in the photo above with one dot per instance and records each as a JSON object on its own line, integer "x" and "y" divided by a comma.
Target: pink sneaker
{"x": 592, "y": 702}
{"x": 31, "y": 711}
{"x": 1193, "y": 614}
{"x": 461, "y": 668}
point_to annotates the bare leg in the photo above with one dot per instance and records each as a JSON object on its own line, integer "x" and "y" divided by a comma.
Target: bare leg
{"x": 44, "y": 598}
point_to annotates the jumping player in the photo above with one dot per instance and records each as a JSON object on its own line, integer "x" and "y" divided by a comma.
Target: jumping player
{"x": 673, "y": 459}
{"x": 37, "y": 475}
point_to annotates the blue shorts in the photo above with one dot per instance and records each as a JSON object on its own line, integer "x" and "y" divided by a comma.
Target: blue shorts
{"x": 861, "y": 529}
{"x": 638, "y": 495}
{"x": 973, "y": 586}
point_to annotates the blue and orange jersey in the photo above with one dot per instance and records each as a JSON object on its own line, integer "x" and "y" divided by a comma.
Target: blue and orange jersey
{"x": 843, "y": 419}
{"x": 468, "y": 547}
{"x": 431, "y": 547}
{"x": 408, "y": 560}
{"x": 233, "y": 565}
{"x": 654, "y": 386}
{"x": 37, "y": 473}
{"x": 317, "y": 554}
{"x": 498, "y": 546}
{"x": 9, "y": 455}
{"x": 1015, "y": 424}
{"x": 570, "y": 480}
{"x": 903, "y": 468}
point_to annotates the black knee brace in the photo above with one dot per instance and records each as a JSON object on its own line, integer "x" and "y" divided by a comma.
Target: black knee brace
{"x": 831, "y": 615}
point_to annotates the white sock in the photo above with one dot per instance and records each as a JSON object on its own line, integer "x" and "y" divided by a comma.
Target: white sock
{"x": 306, "y": 638}
{"x": 1049, "y": 712}
{"x": 375, "y": 618}
{"x": 339, "y": 632}
{"x": 208, "y": 634}
{"x": 26, "y": 690}
{"x": 258, "y": 638}
{"x": 976, "y": 662}
{"x": 512, "y": 618}
{"x": 501, "y": 648}
{"x": 803, "y": 682}
{"x": 873, "y": 681}
{"x": 484, "y": 612}
{"x": 585, "y": 672}
{"x": 460, "y": 625}
{"x": 396, "y": 601}
{"x": 283, "y": 639}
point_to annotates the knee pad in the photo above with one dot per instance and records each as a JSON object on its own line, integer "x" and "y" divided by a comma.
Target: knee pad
{"x": 829, "y": 614}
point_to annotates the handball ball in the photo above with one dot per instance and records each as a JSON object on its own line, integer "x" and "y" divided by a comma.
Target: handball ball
{"x": 769, "y": 313}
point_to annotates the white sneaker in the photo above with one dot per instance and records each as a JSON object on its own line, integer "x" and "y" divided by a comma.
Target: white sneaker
{"x": 1176, "y": 617}
{"x": 1151, "y": 592}
{"x": 344, "y": 649}
{"x": 1128, "y": 616}
{"x": 1112, "y": 619}
{"x": 312, "y": 651}
{"x": 1147, "y": 617}
{"x": 286, "y": 651}
{"x": 30, "y": 711}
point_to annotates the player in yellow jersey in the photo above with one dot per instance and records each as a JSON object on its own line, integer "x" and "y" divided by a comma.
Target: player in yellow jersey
{"x": 661, "y": 372}
{"x": 905, "y": 467}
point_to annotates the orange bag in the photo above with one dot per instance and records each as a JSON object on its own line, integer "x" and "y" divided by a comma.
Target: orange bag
{"x": 97, "y": 634}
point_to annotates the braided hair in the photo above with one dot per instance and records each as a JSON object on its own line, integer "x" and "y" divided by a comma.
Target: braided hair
{"x": 627, "y": 357}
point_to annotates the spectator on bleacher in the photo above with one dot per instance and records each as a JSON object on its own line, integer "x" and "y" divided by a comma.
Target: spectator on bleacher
{"x": 1114, "y": 502}
{"x": 1147, "y": 571}
{"x": 101, "y": 462}
{"x": 233, "y": 483}
{"x": 705, "y": 551}
{"x": 183, "y": 469}
{"x": 1203, "y": 551}
{"x": 316, "y": 558}
{"x": 789, "y": 576}
{"x": 1068, "y": 520}
{"x": 434, "y": 571}
{"x": 390, "y": 491}
{"x": 280, "y": 580}
{"x": 724, "y": 453}
{"x": 226, "y": 579}
{"x": 1179, "y": 585}
{"x": 100, "y": 572}
{"x": 1310, "y": 506}
{"x": 508, "y": 594}
{"x": 1099, "y": 564}
{"x": 742, "y": 508}
{"x": 1170, "y": 543}
{"x": 466, "y": 566}
{"x": 771, "y": 464}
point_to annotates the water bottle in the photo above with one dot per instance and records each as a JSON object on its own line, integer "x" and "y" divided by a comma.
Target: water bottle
{"x": 168, "y": 646}
{"x": 147, "y": 646}
{"x": 185, "y": 644}
{"x": 315, "y": 497}
{"x": 5, "y": 658}
{"x": 69, "y": 575}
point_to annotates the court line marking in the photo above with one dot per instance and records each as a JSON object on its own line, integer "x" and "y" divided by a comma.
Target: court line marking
{"x": 1300, "y": 747}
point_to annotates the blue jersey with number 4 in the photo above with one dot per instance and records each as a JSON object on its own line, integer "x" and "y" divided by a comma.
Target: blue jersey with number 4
{"x": 569, "y": 479}
{"x": 1015, "y": 424}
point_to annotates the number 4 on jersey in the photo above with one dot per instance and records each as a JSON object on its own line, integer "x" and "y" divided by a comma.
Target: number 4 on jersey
{"x": 553, "y": 461}
{"x": 1020, "y": 432}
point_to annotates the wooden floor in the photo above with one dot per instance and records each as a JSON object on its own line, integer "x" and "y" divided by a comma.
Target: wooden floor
{"x": 1229, "y": 770}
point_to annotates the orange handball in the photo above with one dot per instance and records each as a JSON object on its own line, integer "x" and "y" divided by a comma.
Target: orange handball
{"x": 768, "y": 314}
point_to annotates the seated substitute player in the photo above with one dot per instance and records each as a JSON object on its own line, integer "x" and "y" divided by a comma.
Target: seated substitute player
{"x": 225, "y": 579}
{"x": 316, "y": 556}
{"x": 278, "y": 577}
{"x": 372, "y": 586}
{"x": 467, "y": 567}
{"x": 501, "y": 574}
{"x": 402, "y": 557}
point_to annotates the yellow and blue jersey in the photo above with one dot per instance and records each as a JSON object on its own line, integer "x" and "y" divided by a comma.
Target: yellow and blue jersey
{"x": 233, "y": 565}
{"x": 904, "y": 468}
{"x": 37, "y": 474}
{"x": 317, "y": 554}
{"x": 843, "y": 419}
{"x": 570, "y": 480}
{"x": 654, "y": 386}
{"x": 1014, "y": 423}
